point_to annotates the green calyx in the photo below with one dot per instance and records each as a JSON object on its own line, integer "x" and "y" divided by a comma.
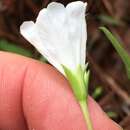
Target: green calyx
{"x": 79, "y": 81}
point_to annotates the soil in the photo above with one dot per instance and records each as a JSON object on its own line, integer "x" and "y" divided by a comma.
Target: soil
{"x": 107, "y": 69}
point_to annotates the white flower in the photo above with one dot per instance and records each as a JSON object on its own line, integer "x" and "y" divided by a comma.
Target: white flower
{"x": 59, "y": 34}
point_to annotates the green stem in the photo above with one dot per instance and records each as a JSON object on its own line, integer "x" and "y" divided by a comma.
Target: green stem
{"x": 85, "y": 111}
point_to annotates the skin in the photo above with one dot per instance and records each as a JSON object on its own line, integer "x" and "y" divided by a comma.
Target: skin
{"x": 35, "y": 96}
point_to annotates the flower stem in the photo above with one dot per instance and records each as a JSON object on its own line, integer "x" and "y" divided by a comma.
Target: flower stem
{"x": 85, "y": 111}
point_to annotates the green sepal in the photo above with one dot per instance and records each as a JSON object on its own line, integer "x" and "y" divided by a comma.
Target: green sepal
{"x": 86, "y": 79}
{"x": 76, "y": 80}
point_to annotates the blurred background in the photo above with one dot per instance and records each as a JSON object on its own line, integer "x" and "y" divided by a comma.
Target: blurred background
{"x": 109, "y": 84}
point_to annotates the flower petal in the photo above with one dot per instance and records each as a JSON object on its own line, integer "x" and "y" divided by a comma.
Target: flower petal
{"x": 77, "y": 24}
{"x": 53, "y": 15}
{"x": 57, "y": 12}
{"x": 27, "y": 30}
{"x": 76, "y": 8}
{"x": 52, "y": 30}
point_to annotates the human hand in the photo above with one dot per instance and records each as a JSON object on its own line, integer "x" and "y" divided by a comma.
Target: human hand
{"x": 34, "y": 96}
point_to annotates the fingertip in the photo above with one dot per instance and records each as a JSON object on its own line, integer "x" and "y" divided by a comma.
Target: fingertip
{"x": 50, "y": 104}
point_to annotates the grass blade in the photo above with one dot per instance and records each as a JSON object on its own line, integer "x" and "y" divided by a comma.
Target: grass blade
{"x": 119, "y": 48}
{"x": 10, "y": 47}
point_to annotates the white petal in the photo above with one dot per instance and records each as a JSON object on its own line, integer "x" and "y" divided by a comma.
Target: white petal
{"x": 76, "y": 8}
{"x": 57, "y": 12}
{"x": 53, "y": 15}
{"x": 29, "y": 31}
{"x": 52, "y": 27}
{"x": 77, "y": 24}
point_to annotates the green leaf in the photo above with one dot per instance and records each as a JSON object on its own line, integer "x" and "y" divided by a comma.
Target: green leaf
{"x": 109, "y": 20}
{"x": 10, "y": 47}
{"x": 120, "y": 50}
{"x": 76, "y": 81}
{"x": 97, "y": 92}
{"x": 112, "y": 114}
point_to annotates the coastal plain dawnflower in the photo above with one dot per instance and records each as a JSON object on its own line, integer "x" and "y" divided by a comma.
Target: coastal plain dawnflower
{"x": 60, "y": 35}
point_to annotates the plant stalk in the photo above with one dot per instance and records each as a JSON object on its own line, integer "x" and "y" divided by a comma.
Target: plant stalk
{"x": 85, "y": 111}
